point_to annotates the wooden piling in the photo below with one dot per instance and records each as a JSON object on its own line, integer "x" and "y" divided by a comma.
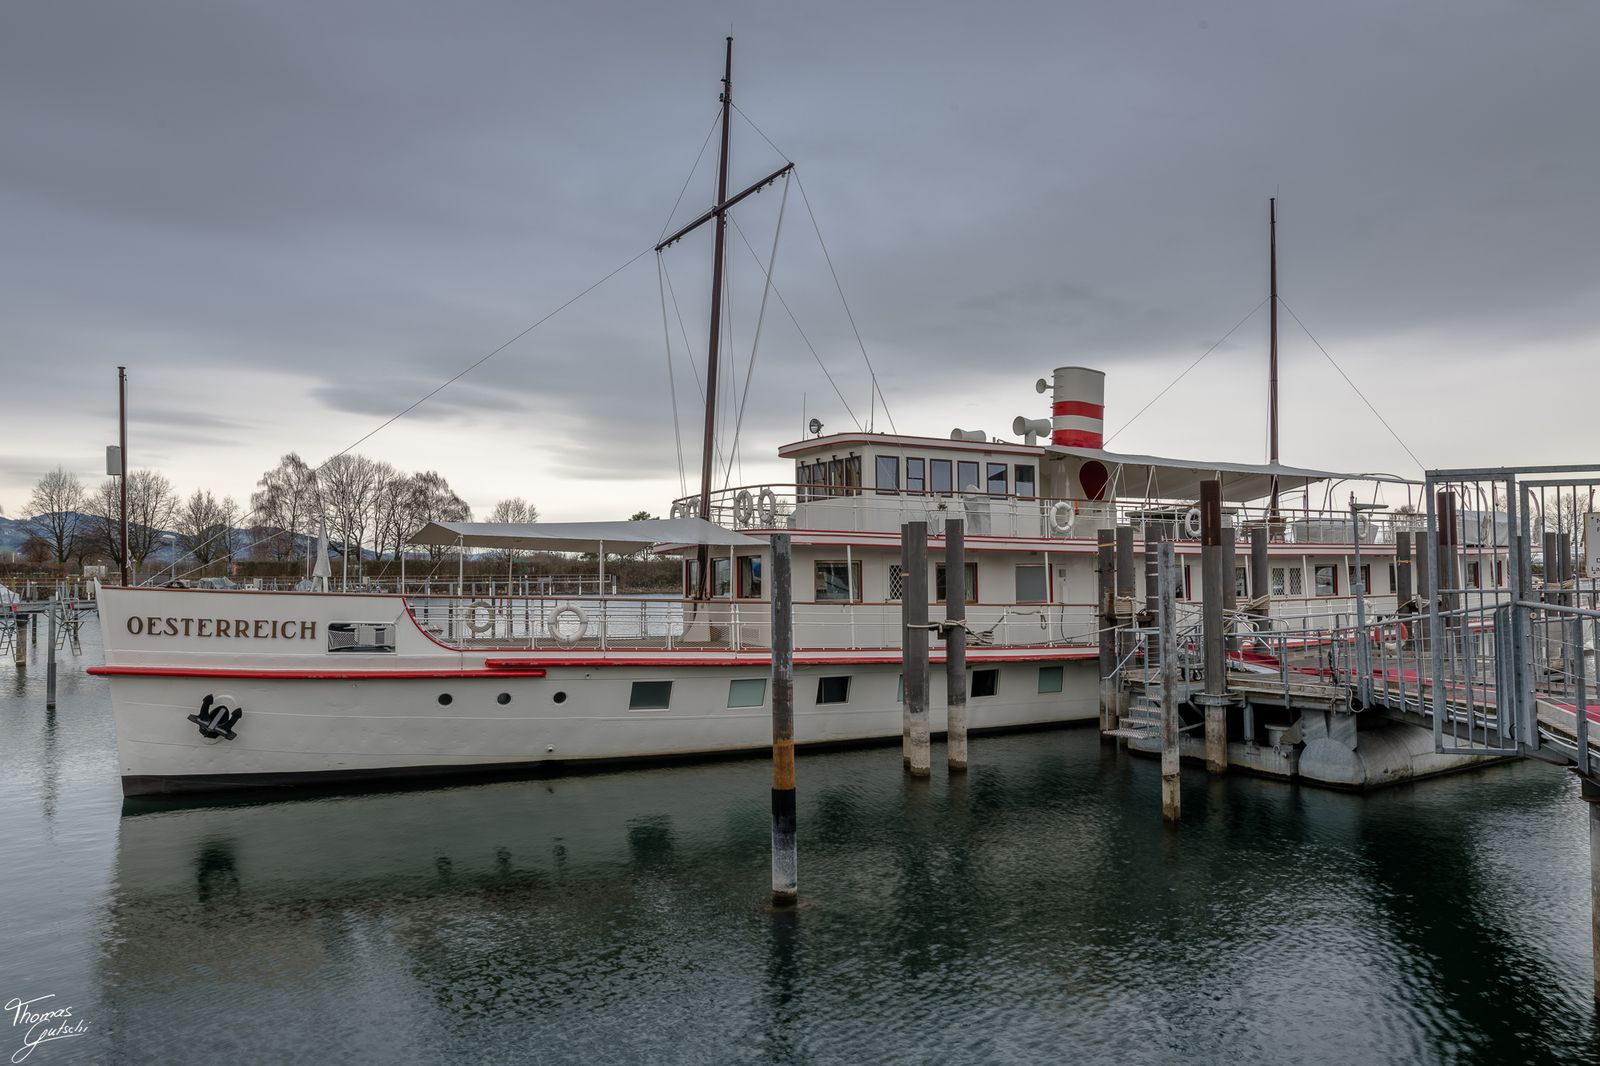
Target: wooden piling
{"x": 1167, "y": 623}
{"x": 22, "y": 640}
{"x": 1106, "y": 611}
{"x": 914, "y": 612}
{"x": 955, "y": 643}
{"x": 1216, "y": 636}
{"x": 1591, "y": 795}
{"x": 50, "y": 662}
{"x": 785, "y": 858}
{"x": 1260, "y": 570}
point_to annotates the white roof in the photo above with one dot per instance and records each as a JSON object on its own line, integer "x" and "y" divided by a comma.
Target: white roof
{"x": 1179, "y": 479}
{"x": 581, "y": 536}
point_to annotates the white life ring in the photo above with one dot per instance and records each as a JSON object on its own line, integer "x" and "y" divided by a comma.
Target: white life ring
{"x": 767, "y": 506}
{"x": 1191, "y": 522}
{"x": 554, "y": 625}
{"x": 1062, "y": 516}
{"x": 480, "y": 623}
{"x": 1363, "y": 525}
{"x": 677, "y": 509}
{"x": 744, "y": 507}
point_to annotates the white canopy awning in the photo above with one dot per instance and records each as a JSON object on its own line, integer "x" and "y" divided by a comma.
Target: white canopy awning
{"x": 1179, "y": 479}
{"x": 582, "y": 536}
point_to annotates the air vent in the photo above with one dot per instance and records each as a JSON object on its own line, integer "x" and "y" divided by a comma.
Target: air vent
{"x": 361, "y": 636}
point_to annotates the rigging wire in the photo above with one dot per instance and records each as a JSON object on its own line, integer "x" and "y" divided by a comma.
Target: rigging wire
{"x": 1352, "y": 385}
{"x": 1186, "y": 370}
{"x": 672, "y": 379}
{"x": 671, "y": 214}
{"x": 761, "y": 317}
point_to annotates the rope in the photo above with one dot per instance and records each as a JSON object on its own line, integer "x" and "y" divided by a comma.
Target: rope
{"x": 672, "y": 379}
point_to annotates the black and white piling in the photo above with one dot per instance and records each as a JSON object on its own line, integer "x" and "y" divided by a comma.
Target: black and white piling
{"x": 955, "y": 642}
{"x": 914, "y": 615}
{"x": 21, "y": 652}
{"x": 1106, "y": 612}
{"x": 785, "y": 857}
{"x": 1216, "y": 636}
{"x": 1167, "y": 625}
{"x": 50, "y": 661}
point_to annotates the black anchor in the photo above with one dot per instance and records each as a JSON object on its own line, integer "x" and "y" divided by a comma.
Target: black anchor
{"x": 218, "y": 723}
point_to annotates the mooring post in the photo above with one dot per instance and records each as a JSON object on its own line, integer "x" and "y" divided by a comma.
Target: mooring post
{"x": 50, "y": 662}
{"x": 914, "y": 611}
{"x": 22, "y": 639}
{"x": 1105, "y": 597}
{"x": 1591, "y": 796}
{"x": 1123, "y": 579}
{"x": 1167, "y": 623}
{"x": 785, "y": 859}
{"x": 1446, "y": 560}
{"x": 955, "y": 642}
{"x": 1216, "y": 636}
{"x": 905, "y": 606}
{"x": 1230, "y": 587}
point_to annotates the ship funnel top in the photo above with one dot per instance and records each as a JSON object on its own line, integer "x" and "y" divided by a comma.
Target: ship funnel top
{"x": 1077, "y": 407}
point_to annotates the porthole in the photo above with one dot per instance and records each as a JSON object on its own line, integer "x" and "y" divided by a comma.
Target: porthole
{"x": 444, "y": 699}
{"x": 560, "y": 697}
{"x": 503, "y": 699}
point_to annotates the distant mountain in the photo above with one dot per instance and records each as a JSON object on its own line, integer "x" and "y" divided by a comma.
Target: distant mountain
{"x": 14, "y": 532}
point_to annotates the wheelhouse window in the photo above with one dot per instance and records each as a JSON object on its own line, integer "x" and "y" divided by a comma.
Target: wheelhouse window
{"x": 1326, "y": 580}
{"x": 650, "y": 696}
{"x": 967, "y": 477}
{"x": 972, "y": 583}
{"x": 721, "y": 577}
{"x": 750, "y": 577}
{"x": 940, "y": 470}
{"x": 833, "y": 689}
{"x": 916, "y": 475}
{"x": 1031, "y": 583}
{"x": 835, "y": 580}
{"x": 886, "y": 475}
{"x": 995, "y": 479}
{"x": 1025, "y": 483}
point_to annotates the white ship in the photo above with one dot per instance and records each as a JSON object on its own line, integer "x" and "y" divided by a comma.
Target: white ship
{"x": 220, "y": 688}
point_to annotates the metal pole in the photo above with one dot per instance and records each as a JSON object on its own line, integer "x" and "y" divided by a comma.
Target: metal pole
{"x": 914, "y": 610}
{"x": 20, "y": 652}
{"x": 1272, "y": 351}
{"x": 1167, "y": 612}
{"x": 785, "y": 859}
{"x": 1124, "y": 583}
{"x": 50, "y": 662}
{"x": 1216, "y": 637}
{"x": 1105, "y": 570}
{"x": 1363, "y": 652}
{"x": 955, "y": 642}
{"x": 122, "y": 482}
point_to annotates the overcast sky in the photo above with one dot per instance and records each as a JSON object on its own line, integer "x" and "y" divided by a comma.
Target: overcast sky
{"x": 292, "y": 219}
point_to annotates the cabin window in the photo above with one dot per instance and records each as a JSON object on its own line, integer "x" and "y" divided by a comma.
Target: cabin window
{"x": 1499, "y": 573}
{"x": 721, "y": 577}
{"x": 747, "y": 692}
{"x": 1326, "y": 580}
{"x": 1241, "y": 583}
{"x": 691, "y": 578}
{"x": 916, "y": 478}
{"x": 967, "y": 477}
{"x": 650, "y": 696}
{"x": 985, "y": 683}
{"x": 1031, "y": 584}
{"x": 835, "y": 477}
{"x": 995, "y": 477}
{"x": 1473, "y": 577}
{"x": 833, "y": 689}
{"x": 1297, "y": 581}
{"x": 897, "y": 581}
{"x": 1366, "y": 577}
{"x": 1050, "y": 678}
{"x": 972, "y": 583}
{"x": 1026, "y": 485}
{"x": 940, "y": 471}
{"x": 900, "y": 690}
{"x": 750, "y": 576}
{"x": 834, "y": 579}
{"x": 887, "y": 475}
{"x": 802, "y": 481}
{"x": 1394, "y": 579}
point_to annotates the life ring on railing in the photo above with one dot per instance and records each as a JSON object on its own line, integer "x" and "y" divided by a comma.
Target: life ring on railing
{"x": 554, "y": 625}
{"x": 1191, "y": 522}
{"x": 1062, "y": 516}
{"x": 480, "y": 623}
{"x": 744, "y": 508}
{"x": 1363, "y": 525}
{"x": 1392, "y": 635}
{"x": 678, "y": 508}
{"x": 767, "y": 506}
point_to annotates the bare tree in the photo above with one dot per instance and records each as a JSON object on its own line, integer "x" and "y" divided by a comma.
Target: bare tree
{"x": 347, "y": 485}
{"x": 432, "y": 500}
{"x": 151, "y": 503}
{"x": 205, "y": 526}
{"x": 514, "y": 510}
{"x": 57, "y": 498}
{"x": 286, "y": 500}
{"x": 103, "y": 507}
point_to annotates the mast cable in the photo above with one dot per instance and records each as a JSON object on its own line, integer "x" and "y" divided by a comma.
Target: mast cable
{"x": 672, "y": 380}
{"x": 761, "y": 317}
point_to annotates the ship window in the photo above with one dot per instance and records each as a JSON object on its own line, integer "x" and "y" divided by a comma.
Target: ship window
{"x": 1026, "y": 486}
{"x": 1473, "y": 577}
{"x": 747, "y": 692}
{"x": 750, "y": 576}
{"x": 852, "y": 475}
{"x": 897, "y": 580}
{"x": 887, "y": 475}
{"x": 1050, "y": 678}
{"x": 1326, "y": 577}
{"x": 1499, "y": 572}
{"x": 972, "y": 583}
{"x": 996, "y": 478}
{"x": 1297, "y": 581}
{"x": 1031, "y": 584}
{"x": 940, "y": 472}
{"x": 835, "y": 477}
{"x": 834, "y": 578}
{"x": 650, "y": 696}
{"x": 900, "y": 690}
{"x": 1366, "y": 576}
{"x": 967, "y": 477}
{"x": 721, "y": 569}
{"x": 1280, "y": 581}
{"x": 833, "y": 689}
{"x": 361, "y": 636}
{"x": 915, "y": 481}
{"x": 985, "y": 683}
{"x": 1241, "y": 582}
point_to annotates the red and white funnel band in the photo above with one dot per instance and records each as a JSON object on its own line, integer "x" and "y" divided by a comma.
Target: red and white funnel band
{"x": 1078, "y": 412}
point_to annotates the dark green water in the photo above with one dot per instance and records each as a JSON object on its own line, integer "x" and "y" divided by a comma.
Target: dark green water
{"x": 1034, "y": 911}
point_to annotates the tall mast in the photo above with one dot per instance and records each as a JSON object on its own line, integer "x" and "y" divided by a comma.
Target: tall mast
{"x": 122, "y": 482}
{"x": 1272, "y": 350}
{"x": 721, "y": 227}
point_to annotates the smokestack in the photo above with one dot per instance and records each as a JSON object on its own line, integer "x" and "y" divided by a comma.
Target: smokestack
{"x": 1077, "y": 409}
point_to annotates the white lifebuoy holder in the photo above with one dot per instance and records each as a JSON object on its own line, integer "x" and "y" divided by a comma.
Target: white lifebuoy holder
{"x": 1062, "y": 516}
{"x": 480, "y": 623}
{"x": 1191, "y": 522}
{"x": 744, "y": 508}
{"x": 1363, "y": 525}
{"x": 767, "y": 506}
{"x": 568, "y": 610}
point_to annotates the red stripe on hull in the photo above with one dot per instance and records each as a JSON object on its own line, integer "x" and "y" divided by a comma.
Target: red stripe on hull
{"x": 312, "y": 675}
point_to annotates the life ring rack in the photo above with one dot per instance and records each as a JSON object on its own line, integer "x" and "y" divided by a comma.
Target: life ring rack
{"x": 1191, "y": 523}
{"x": 1063, "y": 515}
{"x": 568, "y": 610}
